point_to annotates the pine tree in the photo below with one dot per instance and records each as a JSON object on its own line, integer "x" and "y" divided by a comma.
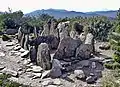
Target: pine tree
{"x": 115, "y": 39}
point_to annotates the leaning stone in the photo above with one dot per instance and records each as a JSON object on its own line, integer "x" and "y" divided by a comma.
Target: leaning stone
{"x": 25, "y": 54}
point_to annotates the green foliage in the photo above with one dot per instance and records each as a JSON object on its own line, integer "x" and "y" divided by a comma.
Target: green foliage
{"x": 115, "y": 39}
{"x": 116, "y": 57}
{"x": 111, "y": 78}
{"x": 4, "y": 82}
{"x": 112, "y": 65}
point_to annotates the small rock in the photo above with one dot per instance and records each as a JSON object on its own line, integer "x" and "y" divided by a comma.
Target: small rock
{"x": 46, "y": 73}
{"x": 36, "y": 69}
{"x": 11, "y": 72}
{"x": 2, "y": 54}
{"x": 51, "y": 86}
{"x": 47, "y": 82}
{"x": 25, "y": 54}
{"x": 56, "y": 82}
{"x": 2, "y": 67}
{"x": 93, "y": 65}
{"x": 26, "y": 62}
{"x": 28, "y": 70}
{"x": 17, "y": 48}
{"x": 79, "y": 73}
{"x": 10, "y": 44}
{"x": 91, "y": 79}
{"x": 22, "y": 50}
{"x": 37, "y": 75}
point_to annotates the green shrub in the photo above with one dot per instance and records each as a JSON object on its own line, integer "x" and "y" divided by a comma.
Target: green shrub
{"x": 115, "y": 65}
{"x": 116, "y": 57}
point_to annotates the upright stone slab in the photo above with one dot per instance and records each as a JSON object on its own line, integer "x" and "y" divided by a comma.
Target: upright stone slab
{"x": 22, "y": 41}
{"x": 33, "y": 54}
{"x": 26, "y": 42}
{"x": 19, "y": 34}
{"x": 46, "y": 30}
{"x": 43, "y": 56}
{"x": 90, "y": 40}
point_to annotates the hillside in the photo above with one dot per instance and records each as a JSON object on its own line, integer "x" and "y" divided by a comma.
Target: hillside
{"x": 58, "y": 13}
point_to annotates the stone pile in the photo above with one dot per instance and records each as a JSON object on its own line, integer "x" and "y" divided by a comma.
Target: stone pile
{"x": 71, "y": 56}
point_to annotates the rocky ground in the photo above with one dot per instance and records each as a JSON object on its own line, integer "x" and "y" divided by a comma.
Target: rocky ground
{"x": 27, "y": 73}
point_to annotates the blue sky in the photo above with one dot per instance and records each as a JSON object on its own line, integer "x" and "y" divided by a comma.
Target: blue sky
{"x": 77, "y": 5}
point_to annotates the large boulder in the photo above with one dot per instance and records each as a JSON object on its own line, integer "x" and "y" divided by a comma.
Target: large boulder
{"x": 43, "y": 56}
{"x": 51, "y": 40}
{"x": 67, "y": 48}
{"x": 84, "y": 51}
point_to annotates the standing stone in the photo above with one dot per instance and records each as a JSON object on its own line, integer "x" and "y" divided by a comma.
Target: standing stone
{"x": 64, "y": 33}
{"x": 43, "y": 56}
{"x": 72, "y": 34}
{"x": 33, "y": 54}
{"x": 90, "y": 40}
{"x": 53, "y": 29}
{"x": 67, "y": 48}
{"x": 22, "y": 41}
{"x": 26, "y": 42}
{"x": 35, "y": 32}
{"x": 46, "y": 30}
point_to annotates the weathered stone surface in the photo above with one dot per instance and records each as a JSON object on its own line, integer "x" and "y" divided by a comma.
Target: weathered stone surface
{"x": 51, "y": 40}
{"x": 25, "y": 54}
{"x": 26, "y": 42}
{"x": 45, "y": 74}
{"x": 33, "y": 54}
{"x": 5, "y": 37}
{"x": 84, "y": 51}
{"x": 46, "y": 30}
{"x": 43, "y": 56}
{"x": 89, "y": 39}
{"x": 22, "y": 41}
{"x": 91, "y": 79}
{"x": 17, "y": 48}
{"x": 10, "y": 44}
{"x": 11, "y": 31}
{"x": 66, "y": 48}
{"x": 2, "y": 54}
{"x": 19, "y": 34}
{"x": 36, "y": 69}
{"x": 56, "y": 68}
{"x": 79, "y": 73}
{"x": 11, "y": 72}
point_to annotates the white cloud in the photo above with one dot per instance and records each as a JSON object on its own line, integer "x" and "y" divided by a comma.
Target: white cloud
{"x": 77, "y": 5}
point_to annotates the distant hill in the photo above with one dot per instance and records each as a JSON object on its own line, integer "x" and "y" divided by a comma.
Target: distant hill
{"x": 58, "y": 13}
